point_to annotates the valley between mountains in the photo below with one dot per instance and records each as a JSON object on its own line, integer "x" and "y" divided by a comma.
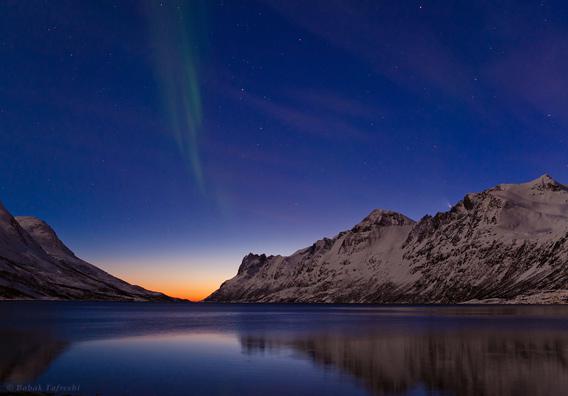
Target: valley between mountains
{"x": 507, "y": 244}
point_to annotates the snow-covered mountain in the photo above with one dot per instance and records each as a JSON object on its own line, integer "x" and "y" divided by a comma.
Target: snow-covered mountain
{"x": 35, "y": 264}
{"x": 505, "y": 244}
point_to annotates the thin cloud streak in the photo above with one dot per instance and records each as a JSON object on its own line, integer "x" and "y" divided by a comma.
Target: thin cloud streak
{"x": 327, "y": 126}
{"x": 417, "y": 60}
{"x": 312, "y": 112}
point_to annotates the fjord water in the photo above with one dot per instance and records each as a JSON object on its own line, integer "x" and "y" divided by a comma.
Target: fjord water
{"x": 209, "y": 349}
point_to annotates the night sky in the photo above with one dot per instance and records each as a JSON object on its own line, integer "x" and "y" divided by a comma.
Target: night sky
{"x": 165, "y": 140}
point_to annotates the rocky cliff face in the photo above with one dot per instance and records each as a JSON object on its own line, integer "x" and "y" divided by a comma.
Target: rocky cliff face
{"x": 505, "y": 244}
{"x": 35, "y": 264}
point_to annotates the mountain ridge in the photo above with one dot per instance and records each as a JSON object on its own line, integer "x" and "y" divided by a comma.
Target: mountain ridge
{"x": 506, "y": 243}
{"x": 36, "y": 264}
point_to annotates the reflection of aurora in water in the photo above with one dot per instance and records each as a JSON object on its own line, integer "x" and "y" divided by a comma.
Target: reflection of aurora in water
{"x": 175, "y": 38}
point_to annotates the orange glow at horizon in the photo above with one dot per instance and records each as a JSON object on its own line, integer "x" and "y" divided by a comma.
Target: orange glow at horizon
{"x": 175, "y": 279}
{"x": 192, "y": 291}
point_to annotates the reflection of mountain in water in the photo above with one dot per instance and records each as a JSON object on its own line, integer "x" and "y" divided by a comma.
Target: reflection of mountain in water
{"x": 24, "y": 356}
{"x": 461, "y": 363}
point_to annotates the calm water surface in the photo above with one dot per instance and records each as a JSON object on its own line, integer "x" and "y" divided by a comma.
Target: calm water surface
{"x": 209, "y": 349}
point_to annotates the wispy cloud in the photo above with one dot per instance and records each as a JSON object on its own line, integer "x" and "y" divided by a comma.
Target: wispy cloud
{"x": 323, "y": 114}
{"x": 415, "y": 59}
{"x": 535, "y": 75}
{"x": 311, "y": 121}
{"x": 333, "y": 102}
{"x": 523, "y": 63}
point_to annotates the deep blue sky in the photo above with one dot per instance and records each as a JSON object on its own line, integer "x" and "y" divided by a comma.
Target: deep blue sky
{"x": 164, "y": 140}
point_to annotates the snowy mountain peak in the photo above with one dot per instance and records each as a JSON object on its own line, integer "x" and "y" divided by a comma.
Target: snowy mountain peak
{"x": 43, "y": 234}
{"x": 507, "y": 243}
{"x": 14, "y": 240}
{"x": 36, "y": 264}
{"x": 546, "y": 182}
{"x": 252, "y": 262}
{"x": 385, "y": 218}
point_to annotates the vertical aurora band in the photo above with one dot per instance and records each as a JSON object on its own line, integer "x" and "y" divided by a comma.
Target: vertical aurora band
{"x": 175, "y": 36}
